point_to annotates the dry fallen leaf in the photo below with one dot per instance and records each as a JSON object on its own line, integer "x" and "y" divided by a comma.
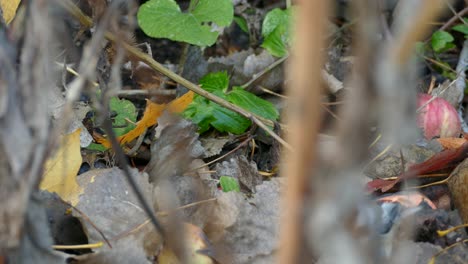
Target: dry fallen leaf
{"x": 62, "y": 168}
{"x": 9, "y": 9}
{"x": 451, "y": 142}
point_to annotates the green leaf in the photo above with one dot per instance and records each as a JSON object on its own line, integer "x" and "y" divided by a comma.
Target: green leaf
{"x": 96, "y": 147}
{"x": 125, "y": 110}
{"x": 242, "y": 23}
{"x": 218, "y": 81}
{"x": 229, "y": 184}
{"x": 229, "y": 121}
{"x": 208, "y": 114}
{"x": 463, "y": 28}
{"x": 440, "y": 40}
{"x": 164, "y": 19}
{"x": 276, "y": 30}
{"x": 274, "y": 44}
{"x": 252, "y": 103}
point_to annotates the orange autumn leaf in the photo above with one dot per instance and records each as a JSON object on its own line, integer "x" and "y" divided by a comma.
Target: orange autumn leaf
{"x": 451, "y": 142}
{"x": 150, "y": 118}
{"x": 181, "y": 103}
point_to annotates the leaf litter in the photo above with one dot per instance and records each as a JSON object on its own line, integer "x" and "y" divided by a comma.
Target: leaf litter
{"x": 227, "y": 211}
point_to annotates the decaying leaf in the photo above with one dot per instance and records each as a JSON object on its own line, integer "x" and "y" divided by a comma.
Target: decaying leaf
{"x": 109, "y": 201}
{"x": 9, "y": 9}
{"x": 62, "y": 168}
{"x": 175, "y": 148}
{"x": 244, "y": 230}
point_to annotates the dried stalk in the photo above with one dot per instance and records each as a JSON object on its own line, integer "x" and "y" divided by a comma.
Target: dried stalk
{"x": 303, "y": 119}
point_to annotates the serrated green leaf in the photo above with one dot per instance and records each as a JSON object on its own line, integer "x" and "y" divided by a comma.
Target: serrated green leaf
{"x": 229, "y": 121}
{"x": 252, "y": 103}
{"x": 125, "y": 110}
{"x": 208, "y": 114}
{"x": 229, "y": 184}
{"x": 275, "y": 18}
{"x": 218, "y": 81}
{"x": 242, "y": 23}
{"x": 463, "y": 28}
{"x": 276, "y": 31}
{"x": 164, "y": 19}
{"x": 440, "y": 39}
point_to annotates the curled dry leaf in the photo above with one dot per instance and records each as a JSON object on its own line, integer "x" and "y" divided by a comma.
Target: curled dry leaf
{"x": 451, "y": 142}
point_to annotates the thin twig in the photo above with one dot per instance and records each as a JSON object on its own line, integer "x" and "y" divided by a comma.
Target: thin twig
{"x": 84, "y": 246}
{"x": 146, "y": 93}
{"x": 455, "y": 14}
{"x": 260, "y": 121}
{"x": 270, "y": 67}
{"x": 107, "y": 125}
{"x": 223, "y": 156}
{"x": 454, "y": 19}
{"x": 162, "y": 213}
{"x": 86, "y": 218}
{"x": 272, "y": 93}
{"x": 137, "y": 145}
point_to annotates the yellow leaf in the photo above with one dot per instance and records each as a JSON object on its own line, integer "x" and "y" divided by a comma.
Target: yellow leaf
{"x": 62, "y": 168}
{"x": 9, "y": 9}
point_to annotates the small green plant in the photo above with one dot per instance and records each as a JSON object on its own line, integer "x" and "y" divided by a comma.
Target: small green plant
{"x": 276, "y": 31}
{"x": 197, "y": 26}
{"x": 206, "y": 113}
{"x": 229, "y": 184}
{"x": 442, "y": 41}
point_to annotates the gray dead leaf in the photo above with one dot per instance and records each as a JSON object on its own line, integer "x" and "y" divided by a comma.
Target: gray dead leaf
{"x": 110, "y": 202}
{"x": 245, "y": 230}
{"x": 199, "y": 169}
{"x": 176, "y": 146}
{"x": 55, "y": 107}
{"x": 213, "y": 146}
{"x": 239, "y": 167}
{"x": 390, "y": 164}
